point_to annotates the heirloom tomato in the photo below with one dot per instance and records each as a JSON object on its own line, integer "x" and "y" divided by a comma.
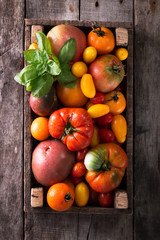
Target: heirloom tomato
{"x": 98, "y": 110}
{"x": 116, "y": 102}
{"x": 119, "y": 127}
{"x": 107, "y": 72}
{"x": 102, "y": 39}
{"x": 73, "y": 126}
{"x": 106, "y": 164}
{"x": 87, "y": 86}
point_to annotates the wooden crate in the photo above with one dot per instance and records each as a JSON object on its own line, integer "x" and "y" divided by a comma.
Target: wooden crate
{"x": 127, "y": 183}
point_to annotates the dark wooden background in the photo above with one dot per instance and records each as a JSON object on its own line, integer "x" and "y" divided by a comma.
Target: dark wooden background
{"x": 145, "y": 221}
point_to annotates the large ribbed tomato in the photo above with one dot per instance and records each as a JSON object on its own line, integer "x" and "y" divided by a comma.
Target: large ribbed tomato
{"x": 73, "y": 126}
{"x": 107, "y": 72}
{"x": 106, "y": 164}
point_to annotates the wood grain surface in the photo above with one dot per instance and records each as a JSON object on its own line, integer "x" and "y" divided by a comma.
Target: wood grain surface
{"x": 145, "y": 222}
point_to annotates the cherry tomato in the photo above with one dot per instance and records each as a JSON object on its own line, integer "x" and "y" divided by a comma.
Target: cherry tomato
{"x": 121, "y": 53}
{"x": 81, "y": 194}
{"x": 33, "y": 46}
{"x": 116, "y": 102}
{"x": 98, "y": 110}
{"x": 89, "y": 54}
{"x": 78, "y": 169}
{"x": 98, "y": 98}
{"x": 119, "y": 127}
{"x": 76, "y": 180}
{"x": 79, "y": 68}
{"x": 106, "y": 135}
{"x": 80, "y": 155}
{"x": 93, "y": 197}
{"x": 95, "y": 137}
{"x": 87, "y": 85}
{"x": 104, "y": 120}
{"x": 106, "y": 199}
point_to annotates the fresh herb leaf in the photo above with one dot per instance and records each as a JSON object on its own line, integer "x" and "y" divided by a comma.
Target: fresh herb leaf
{"x": 41, "y": 85}
{"x": 55, "y": 59}
{"x": 66, "y": 78}
{"x": 26, "y": 75}
{"x": 32, "y": 56}
{"x": 41, "y": 68}
{"x": 43, "y": 42}
{"x": 53, "y": 68}
{"x": 68, "y": 51}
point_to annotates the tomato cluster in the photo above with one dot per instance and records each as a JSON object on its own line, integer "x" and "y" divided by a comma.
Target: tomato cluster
{"x": 91, "y": 122}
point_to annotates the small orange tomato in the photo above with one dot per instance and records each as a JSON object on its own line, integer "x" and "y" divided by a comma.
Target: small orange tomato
{"x": 60, "y": 197}
{"x": 95, "y": 137}
{"x": 119, "y": 128}
{"x": 33, "y": 46}
{"x": 89, "y": 54}
{"x": 87, "y": 85}
{"x": 39, "y": 128}
{"x": 116, "y": 102}
{"x": 79, "y": 68}
{"x": 102, "y": 39}
{"x": 98, "y": 110}
{"x": 121, "y": 53}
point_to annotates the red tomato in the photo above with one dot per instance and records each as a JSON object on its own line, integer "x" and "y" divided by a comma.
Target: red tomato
{"x": 106, "y": 135}
{"x": 104, "y": 120}
{"x": 80, "y": 155}
{"x": 76, "y": 180}
{"x": 73, "y": 126}
{"x": 93, "y": 197}
{"x": 106, "y": 199}
{"x": 78, "y": 169}
{"x": 98, "y": 98}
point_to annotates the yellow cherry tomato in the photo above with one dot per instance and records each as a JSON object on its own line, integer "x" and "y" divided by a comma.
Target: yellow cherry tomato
{"x": 79, "y": 68}
{"x": 116, "y": 102}
{"x": 33, "y": 46}
{"x": 121, "y": 53}
{"x": 87, "y": 85}
{"x": 81, "y": 194}
{"x": 98, "y": 110}
{"x": 89, "y": 54}
{"x": 119, "y": 128}
{"x": 95, "y": 137}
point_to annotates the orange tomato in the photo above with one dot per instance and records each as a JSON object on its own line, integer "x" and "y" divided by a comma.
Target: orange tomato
{"x": 119, "y": 128}
{"x": 33, "y": 46}
{"x": 60, "y": 197}
{"x": 121, "y": 53}
{"x": 71, "y": 97}
{"x": 39, "y": 128}
{"x": 79, "y": 68}
{"x": 87, "y": 85}
{"x": 116, "y": 102}
{"x": 102, "y": 39}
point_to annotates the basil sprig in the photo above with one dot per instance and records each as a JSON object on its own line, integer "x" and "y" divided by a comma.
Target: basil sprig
{"x": 38, "y": 77}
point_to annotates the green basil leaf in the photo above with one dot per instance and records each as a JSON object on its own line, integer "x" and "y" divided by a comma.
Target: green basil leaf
{"x": 66, "y": 78}
{"x": 41, "y": 85}
{"x": 53, "y": 68}
{"x": 33, "y": 56}
{"x": 68, "y": 51}
{"x": 41, "y": 68}
{"x": 26, "y": 75}
{"x": 43, "y": 42}
{"x": 55, "y": 59}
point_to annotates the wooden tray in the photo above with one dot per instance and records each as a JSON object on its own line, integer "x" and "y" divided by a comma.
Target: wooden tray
{"x": 127, "y": 182}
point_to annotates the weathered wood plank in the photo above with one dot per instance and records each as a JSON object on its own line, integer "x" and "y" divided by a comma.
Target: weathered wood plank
{"x": 111, "y": 11}
{"x": 11, "y": 121}
{"x": 147, "y": 120}
{"x": 63, "y": 9}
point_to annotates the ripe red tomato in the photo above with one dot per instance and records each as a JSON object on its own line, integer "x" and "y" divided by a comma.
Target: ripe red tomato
{"x": 80, "y": 155}
{"x": 93, "y": 197}
{"x": 76, "y": 180}
{"x": 98, "y": 98}
{"x": 104, "y": 120}
{"x": 106, "y": 199}
{"x": 78, "y": 169}
{"x": 106, "y": 135}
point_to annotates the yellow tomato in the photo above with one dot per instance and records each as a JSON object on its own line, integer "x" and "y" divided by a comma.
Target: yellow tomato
{"x": 33, "y": 46}
{"x": 79, "y": 68}
{"x": 89, "y": 54}
{"x": 81, "y": 194}
{"x": 119, "y": 128}
{"x": 87, "y": 85}
{"x": 95, "y": 137}
{"x": 98, "y": 110}
{"x": 121, "y": 53}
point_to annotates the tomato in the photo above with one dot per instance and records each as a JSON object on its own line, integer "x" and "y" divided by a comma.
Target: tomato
{"x": 73, "y": 126}
{"x": 107, "y": 72}
{"x": 121, "y": 53}
{"x": 69, "y": 183}
{"x": 104, "y": 120}
{"x": 80, "y": 155}
{"x": 95, "y": 137}
{"x": 116, "y": 102}
{"x": 106, "y": 135}
{"x": 79, "y": 68}
{"x": 39, "y": 128}
{"x": 98, "y": 98}
{"x": 81, "y": 194}
{"x": 33, "y": 46}
{"x": 87, "y": 86}
{"x": 60, "y": 197}
{"x": 106, "y": 199}
{"x": 119, "y": 127}
{"x": 78, "y": 169}
{"x": 106, "y": 164}
{"x": 93, "y": 197}
{"x": 88, "y": 105}
{"x": 76, "y": 180}
{"x": 89, "y": 54}
{"x": 102, "y": 39}
{"x": 71, "y": 97}
{"x": 98, "y": 110}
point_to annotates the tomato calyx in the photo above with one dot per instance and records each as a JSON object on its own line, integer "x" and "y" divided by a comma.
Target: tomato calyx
{"x": 114, "y": 98}
{"x": 98, "y": 31}
{"x": 106, "y": 166}
{"x": 116, "y": 67}
{"x": 68, "y": 197}
{"x": 69, "y": 129}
